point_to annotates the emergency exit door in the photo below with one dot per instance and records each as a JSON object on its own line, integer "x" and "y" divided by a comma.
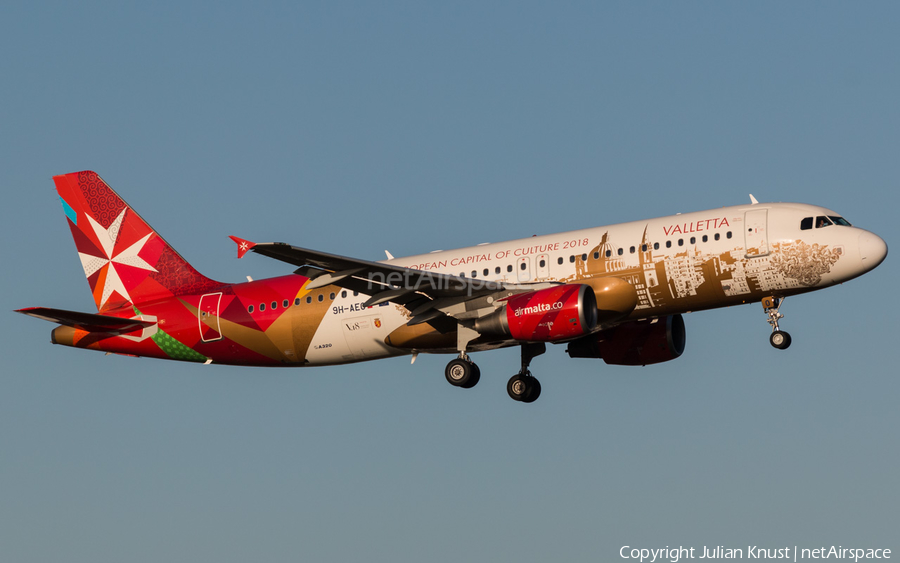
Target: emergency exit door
{"x": 756, "y": 236}
{"x": 208, "y": 317}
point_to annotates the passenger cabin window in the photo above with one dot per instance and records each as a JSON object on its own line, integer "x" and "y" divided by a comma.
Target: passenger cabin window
{"x": 596, "y": 256}
{"x": 509, "y": 267}
{"x": 262, "y": 306}
{"x": 728, "y": 234}
{"x": 497, "y": 270}
{"x": 250, "y": 309}
{"x": 718, "y": 236}
{"x": 485, "y": 271}
{"x": 296, "y": 301}
{"x": 608, "y": 253}
{"x": 285, "y": 303}
{"x": 655, "y": 246}
{"x": 543, "y": 263}
{"x": 668, "y": 244}
{"x": 705, "y": 238}
{"x": 523, "y": 265}
{"x": 806, "y": 223}
{"x": 631, "y": 250}
{"x": 309, "y": 299}
{"x": 559, "y": 260}
{"x": 620, "y": 252}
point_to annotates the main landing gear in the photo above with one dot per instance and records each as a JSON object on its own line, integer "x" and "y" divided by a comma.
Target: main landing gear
{"x": 779, "y": 339}
{"x": 462, "y": 372}
{"x": 523, "y": 386}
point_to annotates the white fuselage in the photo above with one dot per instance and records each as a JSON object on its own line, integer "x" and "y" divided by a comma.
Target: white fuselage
{"x": 677, "y": 264}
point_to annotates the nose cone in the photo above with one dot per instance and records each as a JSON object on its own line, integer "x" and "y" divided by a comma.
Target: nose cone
{"x": 872, "y": 250}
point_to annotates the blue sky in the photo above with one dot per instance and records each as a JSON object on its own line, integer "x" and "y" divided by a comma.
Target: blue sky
{"x": 359, "y": 127}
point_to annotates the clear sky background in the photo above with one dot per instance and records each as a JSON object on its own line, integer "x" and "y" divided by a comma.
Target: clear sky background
{"x": 358, "y": 127}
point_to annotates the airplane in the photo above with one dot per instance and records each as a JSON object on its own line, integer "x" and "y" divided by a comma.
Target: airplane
{"x": 616, "y": 293}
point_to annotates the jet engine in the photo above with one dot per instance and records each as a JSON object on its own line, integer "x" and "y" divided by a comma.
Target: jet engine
{"x": 638, "y": 343}
{"x": 616, "y": 298}
{"x": 547, "y": 315}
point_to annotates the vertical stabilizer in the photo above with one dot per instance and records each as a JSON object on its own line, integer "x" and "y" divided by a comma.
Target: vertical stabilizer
{"x": 125, "y": 261}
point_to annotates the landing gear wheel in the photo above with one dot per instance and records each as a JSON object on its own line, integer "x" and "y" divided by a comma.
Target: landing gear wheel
{"x": 517, "y": 387}
{"x": 523, "y": 387}
{"x": 772, "y": 305}
{"x": 462, "y": 373}
{"x": 475, "y": 378}
{"x": 780, "y": 339}
{"x": 534, "y": 390}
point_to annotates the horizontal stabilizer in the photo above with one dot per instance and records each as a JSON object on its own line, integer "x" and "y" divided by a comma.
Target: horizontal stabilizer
{"x": 86, "y": 321}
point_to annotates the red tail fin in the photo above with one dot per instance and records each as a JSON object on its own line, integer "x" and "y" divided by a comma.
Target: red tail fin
{"x": 125, "y": 260}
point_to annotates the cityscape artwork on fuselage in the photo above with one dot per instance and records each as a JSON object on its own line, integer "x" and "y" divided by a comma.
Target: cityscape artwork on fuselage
{"x": 615, "y": 293}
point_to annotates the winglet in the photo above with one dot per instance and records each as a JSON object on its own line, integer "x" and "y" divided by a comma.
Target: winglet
{"x": 753, "y": 200}
{"x": 243, "y": 245}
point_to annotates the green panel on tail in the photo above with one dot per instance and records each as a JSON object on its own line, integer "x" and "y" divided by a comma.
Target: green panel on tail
{"x": 173, "y": 348}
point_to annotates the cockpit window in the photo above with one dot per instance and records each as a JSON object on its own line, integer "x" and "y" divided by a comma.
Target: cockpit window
{"x": 840, "y": 221}
{"x": 806, "y": 224}
{"x": 822, "y": 221}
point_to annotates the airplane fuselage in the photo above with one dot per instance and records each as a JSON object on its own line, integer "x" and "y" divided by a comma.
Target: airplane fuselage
{"x": 675, "y": 264}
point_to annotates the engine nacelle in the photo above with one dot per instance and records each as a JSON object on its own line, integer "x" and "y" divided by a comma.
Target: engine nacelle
{"x": 634, "y": 344}
{"x": 547, "y": 315}
{"x": 616, "y": 298}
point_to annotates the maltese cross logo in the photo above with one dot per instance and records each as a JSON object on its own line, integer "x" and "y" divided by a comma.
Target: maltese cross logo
{"x": 110, "y": 263}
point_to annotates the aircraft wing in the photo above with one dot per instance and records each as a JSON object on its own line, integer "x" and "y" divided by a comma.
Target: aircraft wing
{"x": 86, "y": 321}
{"x": 419, "y": 291}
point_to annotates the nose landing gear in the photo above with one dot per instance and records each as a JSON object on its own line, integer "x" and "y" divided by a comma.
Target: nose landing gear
{"x": 779, "y": 338}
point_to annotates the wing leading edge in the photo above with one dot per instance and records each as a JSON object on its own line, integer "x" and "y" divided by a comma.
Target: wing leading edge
{"x": 333, "y": 269}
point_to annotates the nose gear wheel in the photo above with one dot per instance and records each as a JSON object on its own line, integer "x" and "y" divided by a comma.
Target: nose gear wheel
{"x": 779, "y": 338}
